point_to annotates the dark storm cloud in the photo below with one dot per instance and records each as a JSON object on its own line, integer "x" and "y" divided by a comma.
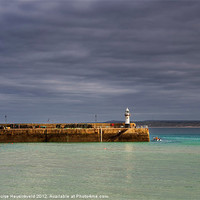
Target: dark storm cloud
{"x": 69, "y": 60}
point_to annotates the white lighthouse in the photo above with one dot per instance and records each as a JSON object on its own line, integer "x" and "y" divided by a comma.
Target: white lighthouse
{"x": 127, "y": 118}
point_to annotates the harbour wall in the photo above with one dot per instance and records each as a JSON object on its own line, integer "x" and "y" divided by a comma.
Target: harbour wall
{"x": 74, "y": 135}
{"x": 67, "y": 125}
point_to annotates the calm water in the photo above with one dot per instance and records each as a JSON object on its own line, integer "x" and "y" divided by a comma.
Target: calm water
{"x": 120, "y": 171}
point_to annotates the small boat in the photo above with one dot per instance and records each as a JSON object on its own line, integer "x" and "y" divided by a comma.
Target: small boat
{"x": 156, "y": 139}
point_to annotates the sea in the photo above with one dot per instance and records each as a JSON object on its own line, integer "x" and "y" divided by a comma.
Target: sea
{"x": 169, "y": 169}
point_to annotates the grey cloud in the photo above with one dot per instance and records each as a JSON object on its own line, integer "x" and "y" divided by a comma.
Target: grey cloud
{"x": 80, "y": 58}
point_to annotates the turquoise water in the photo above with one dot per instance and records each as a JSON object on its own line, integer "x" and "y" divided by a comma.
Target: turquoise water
{"x": 116, "y": 171}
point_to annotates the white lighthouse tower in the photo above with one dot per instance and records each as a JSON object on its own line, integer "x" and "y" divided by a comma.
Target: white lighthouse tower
{"x": 127, "y": 118}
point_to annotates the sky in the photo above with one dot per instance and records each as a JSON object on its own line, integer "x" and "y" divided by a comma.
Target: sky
{"x": 69, "y": 60}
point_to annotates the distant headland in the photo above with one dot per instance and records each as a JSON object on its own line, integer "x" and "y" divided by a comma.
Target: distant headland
{"x": 167, "y": 123}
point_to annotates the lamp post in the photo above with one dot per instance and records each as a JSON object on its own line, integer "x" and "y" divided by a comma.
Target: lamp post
{"x": 6, "y": 119}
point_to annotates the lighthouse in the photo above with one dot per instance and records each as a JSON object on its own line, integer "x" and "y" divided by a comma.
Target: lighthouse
{"x": 127, "y": 118}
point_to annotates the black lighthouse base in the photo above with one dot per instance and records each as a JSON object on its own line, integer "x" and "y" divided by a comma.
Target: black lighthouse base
{"x": 127, "y": 125}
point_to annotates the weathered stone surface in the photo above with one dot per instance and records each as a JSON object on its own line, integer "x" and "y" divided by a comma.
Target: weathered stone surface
{"x": 75, "y": 135}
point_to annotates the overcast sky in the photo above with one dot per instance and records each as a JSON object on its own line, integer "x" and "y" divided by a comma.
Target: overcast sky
{"x": 67, "y": 60}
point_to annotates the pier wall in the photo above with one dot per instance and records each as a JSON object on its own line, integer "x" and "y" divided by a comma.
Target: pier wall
{"x": 74, "y": 135}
